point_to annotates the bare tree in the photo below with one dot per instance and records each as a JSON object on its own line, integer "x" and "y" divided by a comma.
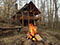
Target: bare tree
{"x": 56, "y": 14}
{"x": 52, "y": 13}
{"x": 48, "y": 13}
{"x": 7, "y": 5}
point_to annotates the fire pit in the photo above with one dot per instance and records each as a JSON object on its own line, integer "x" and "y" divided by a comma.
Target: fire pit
{"x": 35, "y": 38}
{"x": 32, "y": 37}
{"x": 32, "y": 33}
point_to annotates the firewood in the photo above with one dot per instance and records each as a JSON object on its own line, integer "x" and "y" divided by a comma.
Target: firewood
{"x": 38, "y": 37}
{"x": 28, "y": 36}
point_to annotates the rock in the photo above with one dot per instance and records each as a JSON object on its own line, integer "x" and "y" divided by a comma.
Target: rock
{"x": 34, "y": 43}
{"x": 23, "y": 39}
{"x": 2, "y": 43}
{"x": 40, "y": 44}
{"x": 46, "y": 42}
{"x": 17, "y": 42}
{"x": 28, "y": 42}
{"x": 50, "y": 43}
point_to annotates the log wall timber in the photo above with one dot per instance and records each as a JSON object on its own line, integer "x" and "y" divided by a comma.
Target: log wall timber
{"x": 22, "y": 19}
{"x": 34, "y": 16}
{"x": 35, "y": 11}
{"x": 28, "y": 18}
{"x": 16, "y": 14}
{"x": 18, "y": 19}
{"x": 16, "y": 7}
{"x": 39, "y": 19}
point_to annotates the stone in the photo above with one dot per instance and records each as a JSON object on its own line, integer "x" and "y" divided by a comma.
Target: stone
{"x": 46, "y": 42}
{"x": 40, "y": 44}
{"x": 28, "y": 42}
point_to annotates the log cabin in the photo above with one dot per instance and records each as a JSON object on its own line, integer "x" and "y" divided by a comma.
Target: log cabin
{"x": 27, "y": 14}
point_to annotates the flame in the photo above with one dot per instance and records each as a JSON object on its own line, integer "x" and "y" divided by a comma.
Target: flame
{"x": 34, "y": 39}
{"x": 27, "y": 33}
{"x": 32, "y": 31}
{"x": 30, "y": 37}
{"x": 35, "y": 24}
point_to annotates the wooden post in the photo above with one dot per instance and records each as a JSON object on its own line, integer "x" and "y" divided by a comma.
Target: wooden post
{"x": 34, "y": 17}
{"x": 39, "y": 19}
{"x": 16, "y": 18}
{"x": 16, "y": 14}
{"x": 16, "y": 6}
{"x": 22, "y": 19}
{"x": 28, "y": 18}
{"x": 19, "y": 19}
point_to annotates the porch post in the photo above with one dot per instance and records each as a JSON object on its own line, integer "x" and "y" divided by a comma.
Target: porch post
{"x": 39, "y": 19}
{"x": 16, "y": 19}
{"x": 34, "y": 17}
{"x": 28, "y": 18}
{"x": 22, "y": 19}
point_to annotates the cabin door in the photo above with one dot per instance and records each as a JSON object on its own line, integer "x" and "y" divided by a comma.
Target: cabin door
{"x": 25, "y": 22}
{"x": 31, "y": 21}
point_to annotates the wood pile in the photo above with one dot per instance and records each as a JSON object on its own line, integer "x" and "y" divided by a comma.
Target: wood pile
{"x": 5, "y": 28}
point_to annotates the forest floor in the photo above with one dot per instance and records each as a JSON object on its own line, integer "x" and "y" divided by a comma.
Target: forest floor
{"x": 12, "y": 39}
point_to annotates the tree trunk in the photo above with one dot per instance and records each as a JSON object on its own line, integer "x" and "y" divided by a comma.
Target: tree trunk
{"x": 48, "y": 13}
{"x": 56, "y": 15}
{"x": 52, "y": 15}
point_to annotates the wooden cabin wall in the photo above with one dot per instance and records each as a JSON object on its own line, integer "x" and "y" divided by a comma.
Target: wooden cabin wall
{"x": 22, "y": 19}
{"x": 14, "y": 19}
{"x": 16, "y": 6}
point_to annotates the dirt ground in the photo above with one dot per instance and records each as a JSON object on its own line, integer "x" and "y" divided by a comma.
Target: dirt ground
{"x": 12, "y": 39}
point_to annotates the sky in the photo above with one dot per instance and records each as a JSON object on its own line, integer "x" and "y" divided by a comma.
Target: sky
{"x": 59, "y": 8}
{"x": 23, "y": 3}
{"x": 36, "y": 5}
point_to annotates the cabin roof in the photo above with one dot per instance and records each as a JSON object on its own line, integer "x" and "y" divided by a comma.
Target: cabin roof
{"x": 28, "y": 7}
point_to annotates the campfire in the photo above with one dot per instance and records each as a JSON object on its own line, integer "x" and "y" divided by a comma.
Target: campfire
{"x": 32, "y": 33}
{"x": 33, "y": 38}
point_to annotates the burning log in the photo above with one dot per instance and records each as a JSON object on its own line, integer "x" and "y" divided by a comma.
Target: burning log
{"x": 38, "y": 37}
{"x": 35, "y": 37}
{"x": 32, "y": 34}
{"x": 28, "y": 36}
